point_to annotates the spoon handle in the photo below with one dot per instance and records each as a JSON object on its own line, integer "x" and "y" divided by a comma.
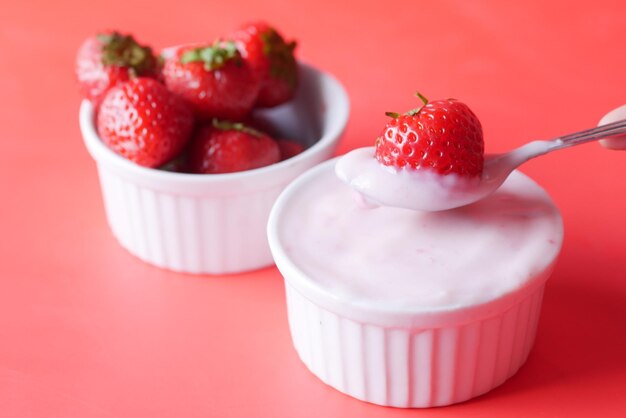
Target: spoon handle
{"x": 599, "y": 132}
{"x": 513, "y": 159}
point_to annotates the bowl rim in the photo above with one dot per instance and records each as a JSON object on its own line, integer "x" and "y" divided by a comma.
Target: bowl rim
{"x": 103, "y": 154}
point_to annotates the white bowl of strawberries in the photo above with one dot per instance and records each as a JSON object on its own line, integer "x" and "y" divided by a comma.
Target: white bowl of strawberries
{"x": 188, "y": 172}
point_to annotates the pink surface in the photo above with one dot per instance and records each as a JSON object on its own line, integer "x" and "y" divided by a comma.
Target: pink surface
{"x": 88, "y": 330}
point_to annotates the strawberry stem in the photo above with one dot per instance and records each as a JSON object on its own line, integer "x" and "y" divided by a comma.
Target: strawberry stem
{"x": 415, "y": 111}
{"x": 280, "y": 55}
{"x": 225, "y": 125}
{"x": 123, "y": 51}
{"x": 422, "y": 98}
{"x": 213, "y": 57}
{"x": 411, "y": 112}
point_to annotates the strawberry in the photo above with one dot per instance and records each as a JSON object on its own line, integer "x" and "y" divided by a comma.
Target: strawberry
{"x": 272, "y": 59}
{"x": 214, "y": 80}
{"x": 289, "y": 148}
{"x": 142, "y": 121}
{"x": 111, "y": 58}
{"x": 227, "y": 147}
{"x": 442, "y": 135}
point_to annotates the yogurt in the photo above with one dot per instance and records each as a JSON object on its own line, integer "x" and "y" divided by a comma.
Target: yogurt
{"x": 394, "y": 259}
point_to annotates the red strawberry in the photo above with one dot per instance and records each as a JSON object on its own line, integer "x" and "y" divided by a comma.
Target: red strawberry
{"x": 142, "y": 121}
{"x": 108, "y": 59}
{"x": 226, "y": 147}
{"x": 289, "y": 148}
{"x": 215, "y": 80}
{"x": 272, "y": 59}
{"x": 443, "y": 135}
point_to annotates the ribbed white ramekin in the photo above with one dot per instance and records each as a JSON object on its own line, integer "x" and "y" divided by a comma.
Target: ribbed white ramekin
{"x": 403, "y": 358}
{"x": 417, "y": 366}
{"x": 215, "y": 223}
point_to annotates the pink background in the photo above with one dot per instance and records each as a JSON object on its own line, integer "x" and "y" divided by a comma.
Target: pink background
{"x": 87, "y": 330}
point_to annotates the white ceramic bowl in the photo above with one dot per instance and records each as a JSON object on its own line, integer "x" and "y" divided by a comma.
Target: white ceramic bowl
{"x": 403, "y": 356}
{"x": 215, "y": 223}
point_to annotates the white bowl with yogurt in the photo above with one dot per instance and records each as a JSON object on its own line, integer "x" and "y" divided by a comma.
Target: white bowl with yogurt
{"x": 413, "y": 309}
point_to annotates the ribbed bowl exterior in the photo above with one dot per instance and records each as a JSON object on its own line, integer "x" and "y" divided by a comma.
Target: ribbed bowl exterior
{"x": 413, "y": 367}
{"x": 187, "y": 233}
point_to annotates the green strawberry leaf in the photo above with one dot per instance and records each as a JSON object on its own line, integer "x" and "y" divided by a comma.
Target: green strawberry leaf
{"x": 226, "y": 125}
{"x": 123, "y": 51}
{"x": 213, "y": 57}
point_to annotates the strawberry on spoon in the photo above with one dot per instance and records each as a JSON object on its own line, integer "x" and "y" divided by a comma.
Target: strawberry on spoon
{"x": 431, "y": 159}
{"x": 443, "y": 136}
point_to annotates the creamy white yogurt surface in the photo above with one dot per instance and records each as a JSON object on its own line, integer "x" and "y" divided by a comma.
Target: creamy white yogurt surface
{"x": 393, "y": 258}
